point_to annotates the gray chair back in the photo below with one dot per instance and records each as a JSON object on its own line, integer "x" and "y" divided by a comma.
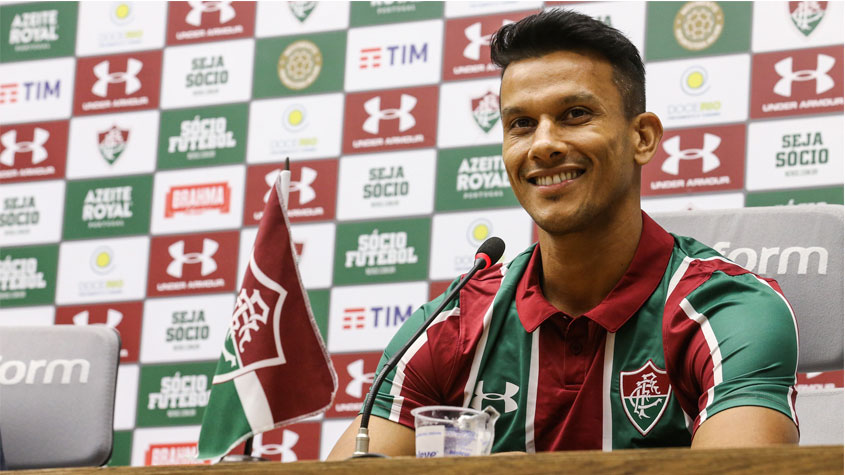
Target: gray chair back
{"x": 57, "y": 386}
{"x": 799, "y": 246}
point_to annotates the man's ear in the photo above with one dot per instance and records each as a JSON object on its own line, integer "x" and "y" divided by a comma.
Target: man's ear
{"x": 646, "y": 131}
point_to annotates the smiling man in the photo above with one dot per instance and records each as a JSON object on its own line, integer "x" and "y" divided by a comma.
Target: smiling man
{"x": 608, "y": 333}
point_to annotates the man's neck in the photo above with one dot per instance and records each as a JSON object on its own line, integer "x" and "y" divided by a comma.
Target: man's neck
{"x": 580, "y": 269}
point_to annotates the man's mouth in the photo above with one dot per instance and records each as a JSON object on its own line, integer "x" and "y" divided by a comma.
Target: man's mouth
{"x": 557, "y": 178}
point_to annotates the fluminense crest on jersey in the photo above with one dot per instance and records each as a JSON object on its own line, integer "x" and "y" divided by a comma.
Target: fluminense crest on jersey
{"x": 645, "y": 394}
{"x": 806, "y": 15}
{"x": 485, "y": 110}
{"x": 112, "y": 143}
{"x": 300, "y": 64}
{"x": 698, "y": 25}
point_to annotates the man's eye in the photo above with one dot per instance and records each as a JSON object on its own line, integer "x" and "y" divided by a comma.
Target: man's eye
{"x": 520, "y": 123}
{"x": 577, "y": 113}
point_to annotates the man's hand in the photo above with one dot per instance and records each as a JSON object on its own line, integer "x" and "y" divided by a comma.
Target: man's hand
{"x": 745, "y": 426}
{"x": 386, "y": 437}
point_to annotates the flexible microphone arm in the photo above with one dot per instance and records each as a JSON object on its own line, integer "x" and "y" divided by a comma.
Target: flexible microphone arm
{"x": 488, "y": 253}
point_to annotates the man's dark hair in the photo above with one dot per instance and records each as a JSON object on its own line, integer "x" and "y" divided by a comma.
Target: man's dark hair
{"x": 564, "y": 30}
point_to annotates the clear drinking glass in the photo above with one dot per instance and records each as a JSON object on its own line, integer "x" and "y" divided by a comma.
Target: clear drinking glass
{"x": 445, "y": 431}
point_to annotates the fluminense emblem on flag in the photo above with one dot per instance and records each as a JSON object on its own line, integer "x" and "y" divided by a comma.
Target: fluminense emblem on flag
{"x": 485, "y": 111}
{"x": 645, "y": 395}
{"x": 301, "y": 10}
{"x": 807, "y": 15}
{"x": 112, "y": 143}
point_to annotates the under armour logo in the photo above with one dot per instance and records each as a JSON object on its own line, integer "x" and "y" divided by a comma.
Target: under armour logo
{"x": 477, "y": 40}
{"x": 105, "y": 77}
{"x": 303, "y": 186}
{"x": 824, "y": 82}
{"x": 194, "y": 17}
{"x": 285, "y": 449}
{"x": 12, "y": 146}
{"x": 177, "y": 252}
{"x": 403, "y": 113}
{"x": 355, "y": 388}
{"x": 510, "y": 391}
{"x": 709, "y": 160}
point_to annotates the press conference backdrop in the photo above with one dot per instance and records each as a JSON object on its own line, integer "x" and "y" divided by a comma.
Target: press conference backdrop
{"x": 138, "y": 141}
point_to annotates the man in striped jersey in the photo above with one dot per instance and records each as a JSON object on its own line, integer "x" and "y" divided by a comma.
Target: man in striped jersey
{"x": 609, "y": 333}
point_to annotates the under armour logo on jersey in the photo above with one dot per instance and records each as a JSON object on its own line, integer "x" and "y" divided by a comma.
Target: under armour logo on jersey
{"x": 477, "y": 40}
{"x": 285, "y": 449}
{"x": 113, "y": 318}
{"x": 177, "y": 252}
{"x": 824, "y": 82}
{"x": 709, "y": 160}
{"x": 403, "y": 113}
{"x": 303, "y": 186}
{"x": 355, "y": 388}
{"x": 510, "y": 391}
{"x": 12, "y": 146}
{"x": 106, "y": 77}
{"x": 194, "y": 17}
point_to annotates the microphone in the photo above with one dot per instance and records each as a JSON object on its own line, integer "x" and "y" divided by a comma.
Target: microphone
{"x": 488, "y": 253}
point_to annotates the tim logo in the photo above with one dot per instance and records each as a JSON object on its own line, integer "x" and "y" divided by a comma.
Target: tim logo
{"x": 205, "y": 258}
{"x": 709, "y": 160}
{"x": 354, "y": 318}
{"x": 129, "y": 77}
{"x": 396, "y": 55}
{"x": 223, "y": 9}
{"x": 361, "y": 318}
{"x": 402, "y": 114}
{"x": 824, "y": 82}
{"x": 10, "y": 93}
{"x": 198, "y": 199}
{"x": 12, "y": 147}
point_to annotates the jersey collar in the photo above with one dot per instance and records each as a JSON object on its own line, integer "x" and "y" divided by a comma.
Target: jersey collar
{"x": 630, "y": 293}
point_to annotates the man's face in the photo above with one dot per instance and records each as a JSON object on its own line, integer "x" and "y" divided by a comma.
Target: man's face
{"x": 567, "y": 145}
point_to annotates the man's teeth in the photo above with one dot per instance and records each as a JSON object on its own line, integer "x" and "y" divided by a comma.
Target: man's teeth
{"x": 554, "y": 179}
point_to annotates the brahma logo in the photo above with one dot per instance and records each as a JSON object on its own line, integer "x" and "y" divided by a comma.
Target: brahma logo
{"x": 645, "y": 395}
{"x": 118, "y": 83}
{"x": 355, "y": 375}
{"x": 198, "y": 199}
{"x": 173, "y": 454}
{"x": 698, "y": 160}
{"x": 797, "y": 82}
{"x": 192, "y": 264}
{"x": 33, "y": 151}
{"x": 196, "y": 21}
{"x": 762, "y": 263}
{"x": 473, "y": 61}
{"x": 806, "y": 15}
{"x": 124, "y": 317}
{"x": 398, "y": 120}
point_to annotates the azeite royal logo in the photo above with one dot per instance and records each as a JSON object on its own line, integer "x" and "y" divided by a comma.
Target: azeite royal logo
{"x": 697, "y": 160}
{"x": 117, "y": 83}
{"x": 107, "y": 207}
{"x": 33, "y": 151}
{"x": 197, "y": 199}
{"x": 37, "y": 30}
{"x": 193, "y": 264}
{"x": 390, "y": 120}
{"x": 797, "y": 82}
{"x": 124, "y": 317}
{"x": 313, "y": 189}
{"x": 473, "y": 34}
{"x": 196, "y": 21}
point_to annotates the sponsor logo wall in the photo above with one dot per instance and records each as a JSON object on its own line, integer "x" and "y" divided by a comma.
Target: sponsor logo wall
{"x": 138, "y": 142}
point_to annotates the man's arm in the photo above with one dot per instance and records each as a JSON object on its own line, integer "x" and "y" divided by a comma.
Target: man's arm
{"x": 745, "y": 426}
{"x": 386, "y": 437}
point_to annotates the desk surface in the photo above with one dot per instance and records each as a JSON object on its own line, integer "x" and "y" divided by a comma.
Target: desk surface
{"x": 790, "y": 459}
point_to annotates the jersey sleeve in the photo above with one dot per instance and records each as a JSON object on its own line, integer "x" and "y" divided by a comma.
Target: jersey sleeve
{"x": 426, "y": 369}
{"x": 734, "y": 342}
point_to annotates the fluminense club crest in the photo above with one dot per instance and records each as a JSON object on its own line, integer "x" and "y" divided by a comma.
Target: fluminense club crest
{"x": 485, "y": 110}
{"x": 807, "y": 15}
{"x": 645, "y": 395}
{"x": 301, "y": 10}
{"x": 112, "y": 143}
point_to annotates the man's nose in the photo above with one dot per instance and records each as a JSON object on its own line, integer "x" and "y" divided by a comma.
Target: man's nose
{"x": 547, "y": 143}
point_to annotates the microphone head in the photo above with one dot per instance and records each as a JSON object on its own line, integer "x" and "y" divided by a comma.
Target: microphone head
{"x": 491, "y": 251}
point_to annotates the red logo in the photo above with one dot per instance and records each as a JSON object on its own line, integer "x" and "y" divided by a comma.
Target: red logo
{"x": 645, "y": 395}
{"x": 195, "y": 21}
{"x": 354, "y": 318}
{"x": 194, "y": 264}
{"x": 117, "y": 83}
{"x": 183, "y": 453}
{"x": 797, "y": 82}
{"x": 313, "y": 190}
{"x": 33, "y": 151}
{"x": 9, "y": 93}
{"x": 390, "y": 120}
{"x": 198, "y": 199}
{"x": 124, "y": 317}
{"x": 697, "y": 161}
{"x": 470, "y": 56}
{"x": 824, "y": 380}
{"x": 355, "y": 373}
{"x": 288, "y": 444}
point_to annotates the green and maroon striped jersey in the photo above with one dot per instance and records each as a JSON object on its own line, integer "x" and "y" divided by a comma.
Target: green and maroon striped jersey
{"x": 684, "y": 334}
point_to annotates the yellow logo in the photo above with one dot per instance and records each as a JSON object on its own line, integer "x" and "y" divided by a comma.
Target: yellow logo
{"x": 102, "y": 260}
{"x": 478, "y": 231}
{"x": 300, "y": 64}
{"x": 694, "y": 81}
{"x": 698, "y": 25}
